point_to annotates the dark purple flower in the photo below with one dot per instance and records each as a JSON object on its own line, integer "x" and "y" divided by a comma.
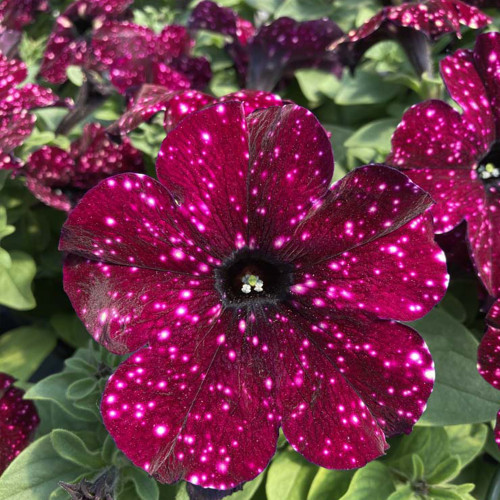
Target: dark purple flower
{"x": 59, "y": 178}
{"x": 262, "y": 58}
{"x": 18, "y": 421}
{"x": 69, "y": 42}
{"x": 153, "y": 99}
{"x": 136, "y": 55}
{"x": 16, "y": 121}
{"x": 15, "y": 14}
{"x": 456, "y": 156}
{"x": 264, "y": 298}
{"x": 412, "y": 25}
{"x": 489, "y": 355}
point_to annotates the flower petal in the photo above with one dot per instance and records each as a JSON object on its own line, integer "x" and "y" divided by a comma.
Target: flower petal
{"x": 458, "y": 194}
{"x": 194, "y": 165}
{"x": 209, "y": 16}
{"x": 433, "y": 135}
{"x": 487, "y": 61}
{"x": 15, "y": 14}
{"x": 366, "y": 204}
{"x": 489, "y": 348}
{"x": 401, "y": 275}
{"x": 131, "y": 220}
{"x": 484, "y": 236}
{"x": 286, "y": 45}
{"x": 202, "y": 406}
{"x": 253, "y": 99}
{"x": 124, "y": 314}
{"x": 466, "y": 87}
{"x": 18, "y": 420}
{"x": 291, "y": 163}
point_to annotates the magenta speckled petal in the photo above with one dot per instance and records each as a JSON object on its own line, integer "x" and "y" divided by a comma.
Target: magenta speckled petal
{"x": 174, "y": 41}
{"x": 209, "y": 16}
{"x": 196, "y": 70}
{"x": 169, "y": 77}
{"x": 489, "y": 348}
{"x": 109, "y": 300}
{"x": 387, "y": 387}
{"x": 15, "y": 14}
{"x": 276, "y": 50}
{"x": 295, "y": 165}
{"x": 201, "y": 405}
{"x": 355, "y": 279}
{"x": 458, "y": 193}
{"x": 487, "y": 61}
{"x": 253, "y": 99}
{"x": 18, "y": 421}
{"x": 12, "y": 72}
{"x": 366, "y": 204}
{"x": 432, "y": 134}
{"x": 194, "y": 165}
{"x": 184, "y": 104}
{"x": 466, "y": 87}
{"x": 484, "y": 236}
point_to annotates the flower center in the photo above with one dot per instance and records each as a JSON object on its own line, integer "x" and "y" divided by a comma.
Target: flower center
{"x": 488, "y": 169}
{"x": 82, "y": 25}
{"x": 249, "y": 277}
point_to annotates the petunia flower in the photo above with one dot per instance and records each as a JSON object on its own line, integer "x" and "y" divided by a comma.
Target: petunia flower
{"x": 136, "y": 55}
{"x": 69, "y": 42}
{"x": 412, "y": 25}
{"x": 15, "y": 14}
{"x": 59, "y": 178}
{"x": 256, "y": 297}
{"x": 153, "y": 99}
{"x": 456, "y": 156}
{"x": 264, "y": 56}
{"x": 489, "y": 355}
{"x": 16, "y": 121}
{"x": 18, "y": 421}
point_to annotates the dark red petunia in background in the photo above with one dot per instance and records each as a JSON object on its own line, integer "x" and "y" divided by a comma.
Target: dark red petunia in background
{"x": 412, "y": 25}
{"x": 69, "y": 42}
{"x": 153, "y": 99}
{"x": 265, "y": 55}
{"x": 264, "y": 298}
{"x": 15, "y": 14}
{"x": 16, "y": 121}
{"x": 456, "y": 156}
{"x": 18, "y": 421}
{"x": 59, "y": 178}
{"x": 136, "y": 55}
{"x": 489, "y": 355}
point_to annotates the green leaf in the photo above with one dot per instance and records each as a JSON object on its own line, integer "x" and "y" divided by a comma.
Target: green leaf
{"x": 70, "y": 447}
{"x": 81, "y": 388}
{"x": 289, "y": 476}
{"x": 375, "y": 136}
{"x": 145, "y": 486}
{"x": 418, "y": 467}
{"x": 373, "y": 481}
{"x": 69, "y": 328}
{"x": 316, "y": 85}
{"x": 249, "y": 488}
{"x": 364, "y": 88}
{"x": 330, "y": 484}
{"x": 339, "y": 136}
{"x": 404, "y": 493}
{"x": 445, "y": 471}
{"x": 22, "y": 350}
{"x": 467, "y": 441}
{"x": 35, "y": 472}
{"x": 15, "y": 282}
{"x": 53, "y": 388}
{"x": 75, "y": 75}
{"x": 461, "y": 395}
{"x": 303, "y": 10}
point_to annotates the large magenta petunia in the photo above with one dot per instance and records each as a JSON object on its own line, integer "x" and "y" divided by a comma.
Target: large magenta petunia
{"x": 59, "y": 178}
{"x": 264, "y": 56}
{"x": 263, "y": 298}
{"x": 18, "y": 421}
{"x": 136, "y": 55}
{"x": 489, "y": 355}
{"x": 412, "y": 25}
{"x": 70, "y": 40}
{"x": 16, "y": 121}
{"x": 456, "y": 156}
{"x": 153, "y": 99}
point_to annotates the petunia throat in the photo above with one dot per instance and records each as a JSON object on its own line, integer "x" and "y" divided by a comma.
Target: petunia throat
{"x": 488, "y": 168}
{"x": 250, "y": 277}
